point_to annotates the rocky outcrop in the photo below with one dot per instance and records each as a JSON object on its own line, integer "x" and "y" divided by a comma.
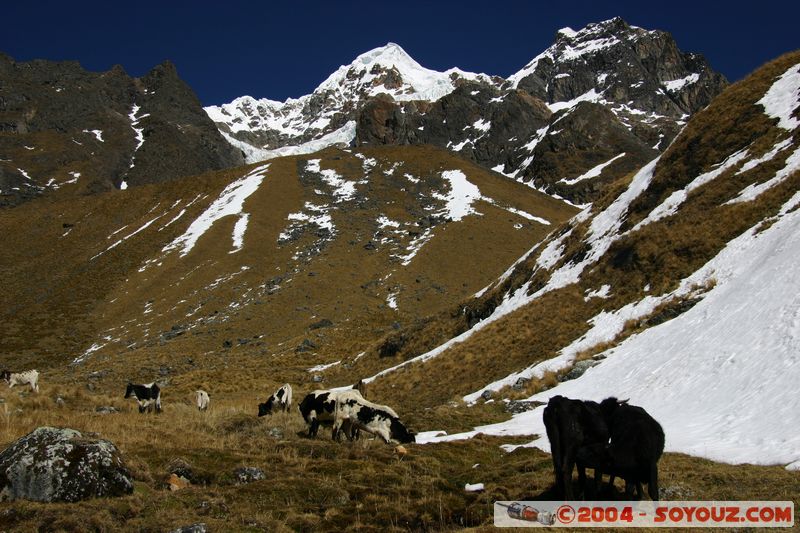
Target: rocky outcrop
{"x": 621, "y": 64}
{"x": 64, "y": 128}
{"x": 62, "y": 465}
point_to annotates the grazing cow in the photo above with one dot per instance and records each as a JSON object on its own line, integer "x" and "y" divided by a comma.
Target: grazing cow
{"x": 146, "y": 396}
{"x": 637, "y": 442}
{"x": 29, "y": 377}
{"x": 202, "y": 400}
{"x": 377, "y": 419}
{"x": 281, "y": 398}
{"x": 319, "y": 407}
{"x": 572, "y": 424}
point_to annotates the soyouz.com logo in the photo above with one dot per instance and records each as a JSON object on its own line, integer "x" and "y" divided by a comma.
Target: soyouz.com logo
{"x": 644, "y": 514}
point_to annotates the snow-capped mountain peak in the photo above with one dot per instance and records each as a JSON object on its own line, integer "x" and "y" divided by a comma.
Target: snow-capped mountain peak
{"x": 389, "y": 69}
{"x": 264, "y": 128}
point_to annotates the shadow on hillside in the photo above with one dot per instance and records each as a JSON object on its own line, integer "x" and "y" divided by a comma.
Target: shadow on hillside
{"x": 604, "y": 493}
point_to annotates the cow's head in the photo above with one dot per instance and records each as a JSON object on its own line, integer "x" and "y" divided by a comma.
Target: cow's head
{"x": 400, "y": 433}
{"x": 266, "y": 407}
{"x": 129, "y": 390}
{"x": 5, "y": 375}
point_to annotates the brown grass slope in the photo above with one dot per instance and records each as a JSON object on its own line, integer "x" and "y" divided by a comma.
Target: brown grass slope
{"x": 93, "y": 271}
{"x": 655, "y": 257}
{"x": 310, "y": 485}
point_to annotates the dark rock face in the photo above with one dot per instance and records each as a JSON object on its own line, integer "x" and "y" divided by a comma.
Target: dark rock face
{"x": 630, "y": 66}
{"x": 58, "y": 120}
{"x": 62, "y": 465}
{"x": 607, "y": 90}
{"x": 579, "y": 140}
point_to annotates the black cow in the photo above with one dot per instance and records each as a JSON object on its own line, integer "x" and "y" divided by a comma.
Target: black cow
{"x": 572, "y": 424}
{"x": 637, "y": 442}
{"x": 281, "y": 398}
{"x": 146, "y": 396}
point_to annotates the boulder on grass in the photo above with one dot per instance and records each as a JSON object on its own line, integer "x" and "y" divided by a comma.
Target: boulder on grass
{"x": 62, "y": 465}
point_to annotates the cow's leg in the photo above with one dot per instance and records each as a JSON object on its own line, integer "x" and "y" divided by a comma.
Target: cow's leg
{"x": 581, "y": 481}
{"x": 337, "y": 424}
{"x": 567, "y": 465}
{"x": 652, "y": 486}
{"x": 313, "y": 427}
{"x": 598, "y": 483}
{"x": 557, "y": 467}
{"x": 631, "y": 487}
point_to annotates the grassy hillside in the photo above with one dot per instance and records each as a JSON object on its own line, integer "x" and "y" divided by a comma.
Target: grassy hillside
{"x": 94, "y": 272}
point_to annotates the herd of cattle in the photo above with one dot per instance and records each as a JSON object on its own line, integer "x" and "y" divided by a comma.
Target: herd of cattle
{"x": 610, "y": 437}
{"x": 347, "y": 411}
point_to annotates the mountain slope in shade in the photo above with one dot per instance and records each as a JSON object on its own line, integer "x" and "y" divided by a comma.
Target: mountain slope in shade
{"x": 680, "y": 287}
{"x": 66, "y": 131}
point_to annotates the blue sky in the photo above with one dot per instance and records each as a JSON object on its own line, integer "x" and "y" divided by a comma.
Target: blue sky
{"x": 285, "y": 49}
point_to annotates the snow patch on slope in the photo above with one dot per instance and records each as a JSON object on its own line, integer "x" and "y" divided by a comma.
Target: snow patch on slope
{"x": 783, "y": 98}
{"x": 721, "y": 377}
{"x": 230, "y": 202}
{"x": 593, "y": 172}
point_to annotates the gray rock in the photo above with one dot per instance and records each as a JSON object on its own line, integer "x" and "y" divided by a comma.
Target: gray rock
{"x": 520, "y": 406}
{"x": 520, "y": 383}
{"x": 194, "y": 528}
{"x": 317, "y": 378}
{"x": 324, "y": 323}
{"x": 62, "y": 465}
{"x": 248, "y": 474}
{"x": 486, "y": 395}
{"x": 306, "y": 346}
{"x": 106, "y": 410}
{"x": 578, "y": 369}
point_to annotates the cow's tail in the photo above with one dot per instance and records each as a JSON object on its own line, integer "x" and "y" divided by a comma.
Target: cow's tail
{"x": 158, "y": 402}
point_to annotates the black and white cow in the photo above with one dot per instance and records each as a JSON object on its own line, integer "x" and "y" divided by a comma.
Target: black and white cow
{"x": 29, "y": 377}
{"x": 202, "y": 399}
{"x": 379, "y": 420}
{"x": 319, "y": 407}
{"x": 146, "y": 396}
{"x": 280, "y": 399}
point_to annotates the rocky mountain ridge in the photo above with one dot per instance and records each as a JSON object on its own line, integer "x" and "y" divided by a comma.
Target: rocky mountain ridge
{"x": 597, "y": 104}
{"x": 64, "y": 130}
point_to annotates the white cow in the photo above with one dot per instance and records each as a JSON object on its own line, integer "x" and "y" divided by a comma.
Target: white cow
{"x": 202, "y": 399}
{"x": 29, "y": 377}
